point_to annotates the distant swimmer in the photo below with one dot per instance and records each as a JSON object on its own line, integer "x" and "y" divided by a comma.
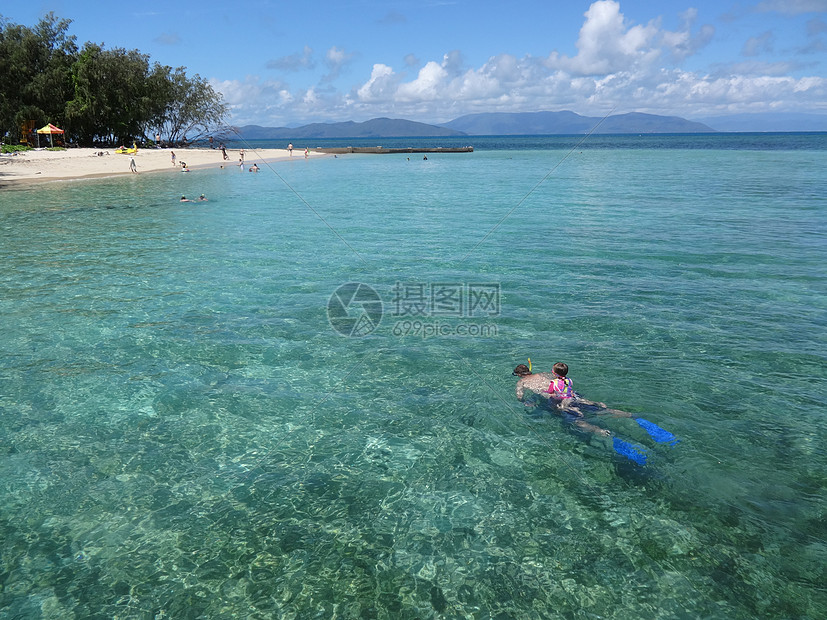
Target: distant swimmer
{"x": 202, "y": 198}
{"x": 254, "y": 168}
{"x": 185, "y": 199}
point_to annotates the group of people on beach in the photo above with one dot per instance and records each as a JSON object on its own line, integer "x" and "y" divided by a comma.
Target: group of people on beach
{"x": 290, "y": 150}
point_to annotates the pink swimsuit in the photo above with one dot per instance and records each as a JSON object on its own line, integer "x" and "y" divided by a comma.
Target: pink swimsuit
{"x": 561, "y": 388}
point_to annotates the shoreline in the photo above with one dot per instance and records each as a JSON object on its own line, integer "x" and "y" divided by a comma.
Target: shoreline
{"x": 39, "y": 166}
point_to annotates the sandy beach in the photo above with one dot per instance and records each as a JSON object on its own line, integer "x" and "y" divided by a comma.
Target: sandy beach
{"x": 81, "y": 163}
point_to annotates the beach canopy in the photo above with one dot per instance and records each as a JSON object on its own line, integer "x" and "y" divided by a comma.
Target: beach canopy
{"x": 51, "y": 130}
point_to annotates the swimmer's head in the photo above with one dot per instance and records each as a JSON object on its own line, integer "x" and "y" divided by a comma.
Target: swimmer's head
{"x": 560, "y": 369}
{"x": 521, "y": 371}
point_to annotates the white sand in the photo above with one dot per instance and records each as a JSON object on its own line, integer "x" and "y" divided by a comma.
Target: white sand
{"x": 42, "y": 165}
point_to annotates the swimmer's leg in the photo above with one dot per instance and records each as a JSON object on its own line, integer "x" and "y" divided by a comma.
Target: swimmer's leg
{"x": 568, "y": 407}
{"x": 591, "y": 428}
{"x": 660, "y": 435}
{"x": 613, "y": 412}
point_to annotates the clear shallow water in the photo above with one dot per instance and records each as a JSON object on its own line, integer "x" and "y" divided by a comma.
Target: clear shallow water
{"x": 185, "y": 435}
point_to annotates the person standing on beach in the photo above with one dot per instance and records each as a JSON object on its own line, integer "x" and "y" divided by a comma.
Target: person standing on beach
{"x": 290, "y": 149}
{"x": 132, "y": 166}
{"x": 173, "y": 157}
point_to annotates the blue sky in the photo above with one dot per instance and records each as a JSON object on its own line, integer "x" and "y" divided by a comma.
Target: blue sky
{"x": 288, "y": 63}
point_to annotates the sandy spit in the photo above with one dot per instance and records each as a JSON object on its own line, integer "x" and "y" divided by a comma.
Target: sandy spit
{"x": 82, "y": 163}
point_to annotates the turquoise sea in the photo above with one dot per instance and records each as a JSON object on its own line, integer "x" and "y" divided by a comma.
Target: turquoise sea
{"x": 295, "y": 400}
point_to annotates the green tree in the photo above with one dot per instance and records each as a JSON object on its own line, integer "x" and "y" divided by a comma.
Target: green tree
{"x": 98, "y": 94}
{"x": 112, "y": 98}
{"x": 194, "y": 109}
{"x": 35, "y": 72}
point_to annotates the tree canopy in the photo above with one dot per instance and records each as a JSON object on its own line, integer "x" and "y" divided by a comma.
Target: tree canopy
{"x": 96, "y": 94}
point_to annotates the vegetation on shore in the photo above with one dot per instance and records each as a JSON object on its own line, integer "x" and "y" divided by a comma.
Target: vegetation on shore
{"x": 13, "y": 148}
{"x": 98, "y": 95}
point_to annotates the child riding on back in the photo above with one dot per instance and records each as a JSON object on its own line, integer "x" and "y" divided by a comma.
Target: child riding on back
{"x": 561, "y": 386}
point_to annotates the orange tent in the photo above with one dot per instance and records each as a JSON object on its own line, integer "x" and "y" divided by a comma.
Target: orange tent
{"x": 51, "y": 130}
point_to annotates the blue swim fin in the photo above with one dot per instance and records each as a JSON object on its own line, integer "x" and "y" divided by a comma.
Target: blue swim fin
{"x": 630, "y": 451}
{"x": 656, "y": 432}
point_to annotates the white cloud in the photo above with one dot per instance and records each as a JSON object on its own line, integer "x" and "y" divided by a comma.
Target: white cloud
{"x": 632, "y": 67}
{"x": 607, "y": 44}
{"x": 336, "y": 60}
{"x": 427, "y": 86}
{"x": 380, "y": 86}
{"x": 250, "y": 100}
{"x": 310, "y": 98}
{"x": 682, "y": 43}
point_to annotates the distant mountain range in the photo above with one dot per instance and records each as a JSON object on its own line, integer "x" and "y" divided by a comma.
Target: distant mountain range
{"x": 543, "y": 123}
{"x": 376, "y": 128}
{"x": 537, "y": 123}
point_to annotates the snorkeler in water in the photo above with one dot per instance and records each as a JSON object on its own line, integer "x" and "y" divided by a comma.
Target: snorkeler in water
{"x": 558, "y": 390}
